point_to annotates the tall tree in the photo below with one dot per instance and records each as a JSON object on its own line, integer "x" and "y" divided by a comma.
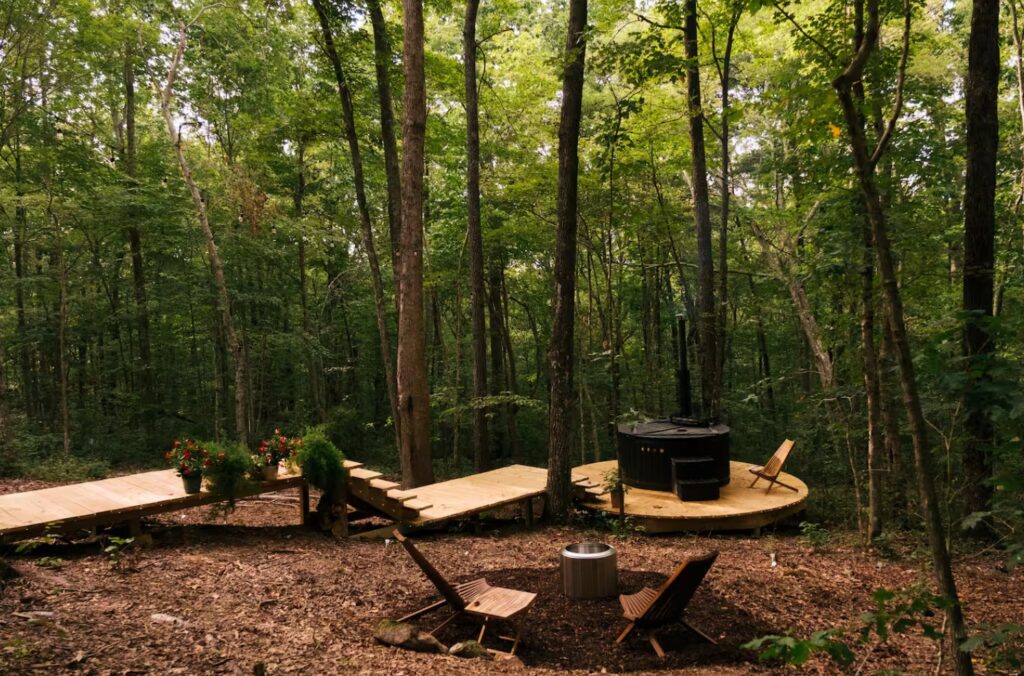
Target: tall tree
{"x": 481, "y": 452}
{"x": 562, "y": 395}
{"x": 382, "y": 58}
{"x": 413, "y": 388}
{"x": 982, "y": 99}
{"x": 366, "y": 225}
{"x": 710, "y": 378}
{"x": 865, "y": 163}
{"x": 227, "y": 321}
{"x": 145, "y": 366}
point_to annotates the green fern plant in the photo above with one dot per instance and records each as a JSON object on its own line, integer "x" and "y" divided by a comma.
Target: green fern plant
{"x": 322, "y": 463}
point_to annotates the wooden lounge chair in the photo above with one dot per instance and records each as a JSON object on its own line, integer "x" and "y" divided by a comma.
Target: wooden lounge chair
{"x": 770, "y": 471}
{"x": 650, "y": 609}
{"x": 475, "y": 598}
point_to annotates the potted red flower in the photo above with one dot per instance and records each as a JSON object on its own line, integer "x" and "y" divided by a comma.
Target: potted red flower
{"x": 189, "y": 458}
{"x": 274, "y": 451}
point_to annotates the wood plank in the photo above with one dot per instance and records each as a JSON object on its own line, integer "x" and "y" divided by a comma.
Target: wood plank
{"x": 383, "y": 484}
{"x": 400, "y": 495}
{"x": 364, "y": 474}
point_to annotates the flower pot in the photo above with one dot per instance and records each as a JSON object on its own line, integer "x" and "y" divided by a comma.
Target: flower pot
{"x": 193, "y": 482}
{"x": 617, "y": 496}
{"x": 270, "y": 472}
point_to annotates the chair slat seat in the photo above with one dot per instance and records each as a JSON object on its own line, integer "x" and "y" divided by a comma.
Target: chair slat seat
{"x": 500, "y": 603}
{"x": 476, "y": 598}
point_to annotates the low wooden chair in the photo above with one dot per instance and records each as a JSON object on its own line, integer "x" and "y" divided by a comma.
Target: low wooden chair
{"x": 475, "y": 598}
{"x": 770, "y": 471}
{"x": 651, "y": 609}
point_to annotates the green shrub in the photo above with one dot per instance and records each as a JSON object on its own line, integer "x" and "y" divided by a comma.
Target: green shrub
{"x": 813, "y": 534}
{"x": 63, "y": 468}
{"x": 796, "y": 651}
{"x": 322, "y": 463}
{"x": 228, "y": 474}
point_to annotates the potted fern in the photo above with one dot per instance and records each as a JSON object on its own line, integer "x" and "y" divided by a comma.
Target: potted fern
{"x": 615, "y": 488}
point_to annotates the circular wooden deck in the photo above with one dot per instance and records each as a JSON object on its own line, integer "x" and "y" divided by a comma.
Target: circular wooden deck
{"x": 739, "y": 507}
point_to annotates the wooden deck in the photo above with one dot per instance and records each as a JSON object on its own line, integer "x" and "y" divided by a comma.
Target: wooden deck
{"x": 481, "y": 492}
{"x": 86, "y": 506}
{"x": 739, "y": 507}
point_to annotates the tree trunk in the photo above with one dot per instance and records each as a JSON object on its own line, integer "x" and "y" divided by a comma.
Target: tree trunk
{"x": 144, "y": 368}
{"x": 981, "y": 96}
{"x": 865, "y": 164}
{"x": 709, "y": 377}
{"x": 382, "y": 61}
{"x": 5, "y": 417}
{"x": 561, "y": 400}
{"x": 413, "y": 389}
{"x": 29, "y": 398}
{"x": 62, "y": 322}
{"x": 872, "y": 391}
{"x": 312, "y": 359}
{"x": 481, "y": 452}
{"x": 725, "y": 198}
{"x": 242, "y": 430}
{"x": 499, "y": 440}
{"x": 366, "y": 225}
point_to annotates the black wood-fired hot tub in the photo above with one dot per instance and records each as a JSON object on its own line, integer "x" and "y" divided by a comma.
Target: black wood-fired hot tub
{"x": 681, "y": 453}
{"x": 646, "y": 450}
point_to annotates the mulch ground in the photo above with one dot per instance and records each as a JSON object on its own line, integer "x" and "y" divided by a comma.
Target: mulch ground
{"x": 256, "y": 593}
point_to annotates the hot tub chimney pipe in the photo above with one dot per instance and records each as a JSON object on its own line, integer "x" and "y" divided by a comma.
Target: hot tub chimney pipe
{"x": 683, "y": 373}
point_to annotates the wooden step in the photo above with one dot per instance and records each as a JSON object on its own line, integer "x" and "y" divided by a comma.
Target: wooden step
{"x": 417, "y": 505}
{"x": 400, "y": 495}
{"x": 352, "y": 464}
{"x": 364, "y": 474}
{"x": 383, "y": 484}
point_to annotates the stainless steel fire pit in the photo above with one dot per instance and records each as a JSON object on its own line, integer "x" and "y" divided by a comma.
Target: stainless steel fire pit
{"x": 590, "y": 571}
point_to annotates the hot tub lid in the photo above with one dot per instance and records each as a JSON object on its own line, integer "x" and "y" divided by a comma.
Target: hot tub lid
{"x": 674, "y": 428}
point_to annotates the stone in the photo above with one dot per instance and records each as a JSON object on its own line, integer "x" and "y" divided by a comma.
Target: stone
{"x": 470, "y": 649}
{"x": 164, "y": 618}
{"x": 407, "y": 636}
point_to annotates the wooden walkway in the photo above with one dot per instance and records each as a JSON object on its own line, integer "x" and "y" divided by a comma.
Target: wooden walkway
{"x": 75, "y": 508}
{"x": 87, "y": 506}
{"x": 482, "y": 492}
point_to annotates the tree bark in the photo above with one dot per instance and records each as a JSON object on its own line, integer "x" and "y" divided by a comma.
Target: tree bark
{"x": 413, "y": 390}
{"x": 561, "y": 400}
{"x": 865, "y": 163}
{"x": 981, "y": 96}
{"x": 144, "y": 368}
{"x": 382, "y": 61}
{"x": 872, "y": 389}
{"x": 725, "y": 192}
{"x": 312, "y": 359}
{"x": 366, "y": 226}
{"x": 227, "y": 323}
{"x": 709, "y": 377}
{"x": 481, "y": 452}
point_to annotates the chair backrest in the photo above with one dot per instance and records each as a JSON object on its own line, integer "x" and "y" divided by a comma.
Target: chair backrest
{"x": 445, "y": 589}
{"x": 675, "y": 594}
{"x": 774, "y": 465}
